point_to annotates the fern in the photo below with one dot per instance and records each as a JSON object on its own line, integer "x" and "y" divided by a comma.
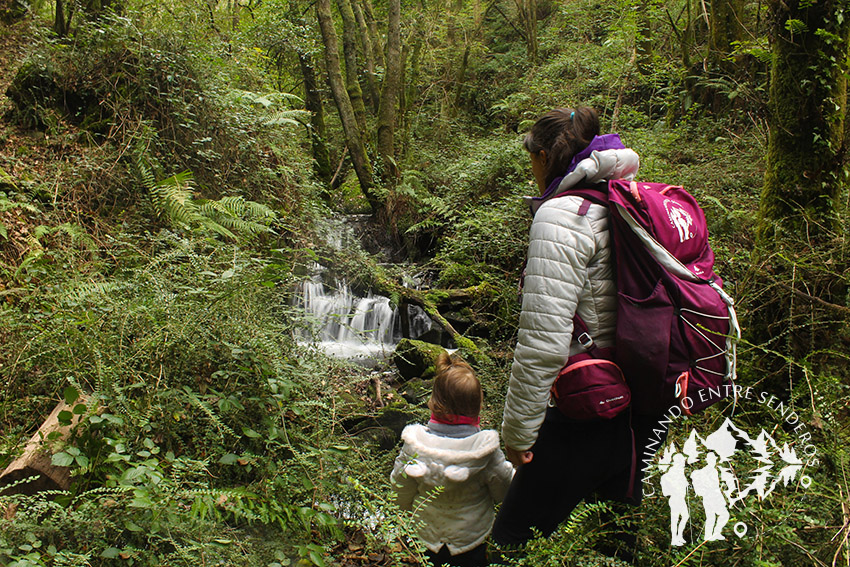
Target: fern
{"x": 89, "y": 291}
{"x": 269, "y": 103}
{"x": 293, "y": 117}
{"x": 173, "y": 198}
{"x": 205, "y": 407}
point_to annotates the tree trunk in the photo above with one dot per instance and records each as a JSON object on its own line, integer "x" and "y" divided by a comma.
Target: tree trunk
{"x": 377, "y": 50}
{"x": 313, "y": 101}
{"x": 798, "y": 225}
{"x": 726, "y": 28}
{"x": 349, "y": 50}
{"x": 531, "y": 23}
{"x": 368, "y": 54}
{"x": 643, "y": 43}
{"x": 808, "y": 102}
{"x": 235, "y": 8}
{"x": 61, "y": 23}
{"x": 410, "y": 88}
{"x": 461, "y": 76}
{"x": 389, "y": 93}
{"x": 353, "y": 134}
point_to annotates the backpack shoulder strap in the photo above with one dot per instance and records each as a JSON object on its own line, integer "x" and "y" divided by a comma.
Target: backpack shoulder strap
{"x": 597, "y": 194}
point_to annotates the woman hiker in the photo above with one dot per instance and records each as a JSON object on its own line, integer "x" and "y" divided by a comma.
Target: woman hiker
{"x": 570, "y": 270}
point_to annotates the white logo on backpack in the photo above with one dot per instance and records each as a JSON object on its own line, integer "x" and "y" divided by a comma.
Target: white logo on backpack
{"x": 680, "y": 219}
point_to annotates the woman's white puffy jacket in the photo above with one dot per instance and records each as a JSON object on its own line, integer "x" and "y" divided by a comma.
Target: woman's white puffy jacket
{"x": 474, "y": 474}
{"x": 570, "y": 269}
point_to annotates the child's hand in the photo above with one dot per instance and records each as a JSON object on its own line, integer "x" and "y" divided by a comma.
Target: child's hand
{"x": 518, "y": 458}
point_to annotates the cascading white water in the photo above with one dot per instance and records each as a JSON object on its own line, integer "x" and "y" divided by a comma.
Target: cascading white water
{"x": 355, "y": 327}
{"x": 343, "y": 324}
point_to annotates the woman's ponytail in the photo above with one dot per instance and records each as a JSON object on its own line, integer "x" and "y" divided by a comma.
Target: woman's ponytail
{"x": 562, "y": 133}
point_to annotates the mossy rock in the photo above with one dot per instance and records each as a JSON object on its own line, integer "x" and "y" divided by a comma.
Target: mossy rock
{"x": 396, "y": 416}
{"x": 416, "y": 359}
{"x": 382, "y": 438}
{"x": 13, "y": 10}
{"x": 417, "y": 391}
{"x": 384, "y": 430}
{"x": 33, "y": 88}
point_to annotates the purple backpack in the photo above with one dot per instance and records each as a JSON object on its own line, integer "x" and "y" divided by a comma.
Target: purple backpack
{"x": 676, "y": 327}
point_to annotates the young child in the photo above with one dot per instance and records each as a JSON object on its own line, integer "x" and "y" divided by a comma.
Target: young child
{"x": 452, "y": 452}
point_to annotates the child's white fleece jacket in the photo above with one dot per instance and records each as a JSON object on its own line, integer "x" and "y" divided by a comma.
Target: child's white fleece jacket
{"x": 475, "y": 475}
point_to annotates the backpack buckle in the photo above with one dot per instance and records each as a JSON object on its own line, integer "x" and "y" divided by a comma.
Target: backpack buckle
{"x": 585, "y": 340}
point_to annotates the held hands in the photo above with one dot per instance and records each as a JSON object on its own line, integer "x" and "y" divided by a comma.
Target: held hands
{"x": 518, "y": 458}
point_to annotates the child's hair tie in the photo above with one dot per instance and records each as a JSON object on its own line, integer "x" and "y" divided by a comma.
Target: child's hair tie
{"x": 572, "y": 114}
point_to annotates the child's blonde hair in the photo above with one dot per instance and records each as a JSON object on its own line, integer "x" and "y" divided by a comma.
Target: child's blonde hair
{"x": 456, "y": 389}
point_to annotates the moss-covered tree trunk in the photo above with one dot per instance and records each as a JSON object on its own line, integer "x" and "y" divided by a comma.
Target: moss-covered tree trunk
{"x": 349, "y": 50}
{"x": 798, "y": 232}
{"x": 365, "y": 41}
{"x": 531, "y": 29}
{"x": 727, "y": 27}
{"x": 808, "y": 102}
{"x": 389, "y": 92}
{"x": 643, "y": 43}
{"x": 372, "y": 24}
{"x": 410, "y": 85}
{"x": 313, "y": 102}
{"x": 353, "y": 134}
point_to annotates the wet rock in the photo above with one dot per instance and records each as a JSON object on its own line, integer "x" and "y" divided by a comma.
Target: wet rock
{"x": 415, "y": 359}
{"x": 433, "y": 336}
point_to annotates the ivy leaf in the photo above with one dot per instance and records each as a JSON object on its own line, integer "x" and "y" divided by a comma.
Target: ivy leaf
{"x": 71, "y": 395}
{"x": 250, "y": 433}
{"x": 317, "y": 559}
{"x": 110, "y": 552}
{"x": 62, "y": 459}
{"x": 228, "y": 459}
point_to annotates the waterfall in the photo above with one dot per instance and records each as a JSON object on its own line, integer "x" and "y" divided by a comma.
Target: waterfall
{"x": 348, "y": 326}
{"x": 343, "y": 324}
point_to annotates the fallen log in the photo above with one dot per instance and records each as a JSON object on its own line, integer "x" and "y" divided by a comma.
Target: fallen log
{"x": 36, "y": 460}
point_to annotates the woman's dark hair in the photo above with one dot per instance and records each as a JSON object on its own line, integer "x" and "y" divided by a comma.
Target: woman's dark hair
{"x": 563, "y": 133}
{"x": 456, "y": 389}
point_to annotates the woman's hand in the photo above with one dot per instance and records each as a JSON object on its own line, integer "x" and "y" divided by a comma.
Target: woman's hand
{"x": 518, "y": 458}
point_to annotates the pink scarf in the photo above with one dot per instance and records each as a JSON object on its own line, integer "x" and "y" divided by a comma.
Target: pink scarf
{"x": 452, "y": 419}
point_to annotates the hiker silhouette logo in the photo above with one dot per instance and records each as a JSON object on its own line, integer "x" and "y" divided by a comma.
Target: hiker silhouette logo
{"x": 721, "y": 471}
{"x": 680, "y": 219}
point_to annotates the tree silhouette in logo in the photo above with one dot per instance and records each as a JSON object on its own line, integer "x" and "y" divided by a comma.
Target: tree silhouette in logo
{"x": 710, "y": 463}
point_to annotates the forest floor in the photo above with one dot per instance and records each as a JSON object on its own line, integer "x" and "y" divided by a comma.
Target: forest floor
{"x": 14, "y": 40}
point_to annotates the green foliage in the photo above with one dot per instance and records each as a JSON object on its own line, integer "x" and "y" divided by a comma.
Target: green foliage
{"x": 206, "y": 431}
{"x": 172, "y": 197}
{"x": 201, "y": 417}
{"x": 572, "y": 544}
